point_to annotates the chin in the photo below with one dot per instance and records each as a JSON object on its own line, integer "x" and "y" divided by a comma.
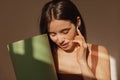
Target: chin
{"x": 68, "y": 49}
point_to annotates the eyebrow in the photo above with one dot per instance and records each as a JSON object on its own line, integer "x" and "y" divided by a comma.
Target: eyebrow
{"x": 60, "y": 30}
{"x": 65, "y": 29}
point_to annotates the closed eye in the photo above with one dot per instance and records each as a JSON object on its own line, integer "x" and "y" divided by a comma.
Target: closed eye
{"x": 65, "y": 31}
{"x": 52, "y": 33}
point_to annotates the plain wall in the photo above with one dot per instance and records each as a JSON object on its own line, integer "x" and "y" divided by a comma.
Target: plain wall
{"x": 20, "y": 20}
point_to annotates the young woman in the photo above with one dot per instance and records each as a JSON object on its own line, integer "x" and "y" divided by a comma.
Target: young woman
{"x": 74, "y": 58}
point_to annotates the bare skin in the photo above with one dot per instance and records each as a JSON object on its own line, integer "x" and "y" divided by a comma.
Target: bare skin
{"x": 72, "y": 52}
{"x": 102, "y": 71}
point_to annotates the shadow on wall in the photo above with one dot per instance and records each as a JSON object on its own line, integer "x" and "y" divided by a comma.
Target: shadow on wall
{"x": 28, "y": 64}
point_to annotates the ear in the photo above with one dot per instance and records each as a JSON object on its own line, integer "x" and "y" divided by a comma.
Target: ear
{"x": 78, "y": 21}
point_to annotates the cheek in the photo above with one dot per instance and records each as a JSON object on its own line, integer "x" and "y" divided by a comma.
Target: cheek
{"x": 53, "y": 39}
{"x": 71, "y": 36}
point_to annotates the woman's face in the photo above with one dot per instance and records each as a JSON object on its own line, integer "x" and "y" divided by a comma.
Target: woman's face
{"x": 62, "y": 33}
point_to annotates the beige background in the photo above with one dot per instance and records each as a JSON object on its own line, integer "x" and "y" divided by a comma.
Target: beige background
{"x": 20, "y": 19}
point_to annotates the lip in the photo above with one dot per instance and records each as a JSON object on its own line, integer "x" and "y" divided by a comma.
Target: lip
{"x": 64, "y": 45}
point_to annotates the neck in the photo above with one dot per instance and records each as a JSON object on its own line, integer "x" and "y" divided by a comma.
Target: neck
{"x": 61, "y": 51}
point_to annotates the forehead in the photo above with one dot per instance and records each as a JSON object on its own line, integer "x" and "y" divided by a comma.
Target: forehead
{"x": 57, "y": 25}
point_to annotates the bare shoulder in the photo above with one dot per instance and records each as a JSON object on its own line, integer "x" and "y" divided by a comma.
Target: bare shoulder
{"x": 103, "y": 52}
{"x": 103, "y": 49}
{"x": 100, "y": 49}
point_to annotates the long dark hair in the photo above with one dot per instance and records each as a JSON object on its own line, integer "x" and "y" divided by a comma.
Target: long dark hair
{"x": 60, "y": 10}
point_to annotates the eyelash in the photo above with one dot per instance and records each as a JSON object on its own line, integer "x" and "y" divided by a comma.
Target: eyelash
{"x": 65, "y": 32}
{"x": 52, "y": 34}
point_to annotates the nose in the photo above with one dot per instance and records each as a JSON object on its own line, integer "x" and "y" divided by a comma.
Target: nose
{"x": 60, "y": 39}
